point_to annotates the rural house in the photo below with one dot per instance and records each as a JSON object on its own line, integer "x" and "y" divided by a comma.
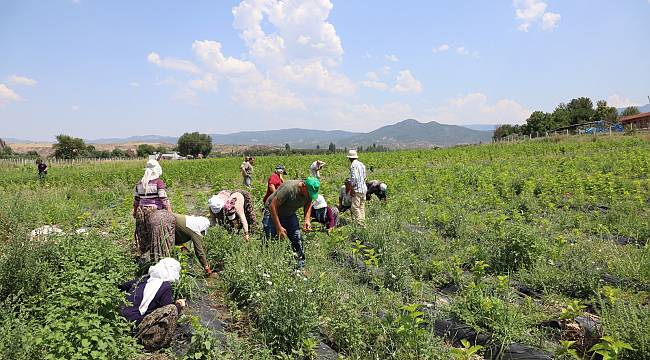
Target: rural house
{"x": 639, "y": 121}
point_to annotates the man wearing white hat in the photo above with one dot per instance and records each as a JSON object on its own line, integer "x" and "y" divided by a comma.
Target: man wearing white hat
{"x": 358, "y": 187}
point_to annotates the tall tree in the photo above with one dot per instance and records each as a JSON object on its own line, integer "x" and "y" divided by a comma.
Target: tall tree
{"x": 194, "y": 144}
{"x": 331, "y": 148}
{"x": 145, "y": 150}
{"x": 539, "y": 121}
{"x": 581, "y": 110}
{"x": 287, "y": 147}
{"x": 605, "y": 112}
{"x": 68, "y": 147}
{"x": 561, "y": 116}
{"x": 630, "y": 110}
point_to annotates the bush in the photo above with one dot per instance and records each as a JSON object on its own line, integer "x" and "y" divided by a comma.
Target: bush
{"x": 69, "y": 307}
{"x": 511, "y": 247}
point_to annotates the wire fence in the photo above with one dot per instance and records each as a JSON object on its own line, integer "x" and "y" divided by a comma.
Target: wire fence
{"x": 609, "y": 131}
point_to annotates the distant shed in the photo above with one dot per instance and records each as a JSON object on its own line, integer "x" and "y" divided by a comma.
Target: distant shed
{"x": 639, "y": 121}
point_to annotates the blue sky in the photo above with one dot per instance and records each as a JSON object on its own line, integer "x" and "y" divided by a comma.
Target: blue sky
{"x": 96, "y": 69}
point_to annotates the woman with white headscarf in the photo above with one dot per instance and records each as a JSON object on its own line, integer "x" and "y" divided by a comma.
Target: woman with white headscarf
{"x": 150, "y": 304}
{"x": 192, "y": 229}
{"x": 154, "y": 221}
{"x": 233, "y": 210}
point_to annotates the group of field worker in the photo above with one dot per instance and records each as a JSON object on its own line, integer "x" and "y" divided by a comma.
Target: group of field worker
{"x": 149, "y": 301}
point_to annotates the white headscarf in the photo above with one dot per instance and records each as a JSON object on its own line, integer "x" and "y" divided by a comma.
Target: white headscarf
{"x": 198, "y": 224}
{"x": 216, "y": 203}
{"x": 151, "y": 172}
{"x": 166, "y": 269}
{"x": 319, "y": 203}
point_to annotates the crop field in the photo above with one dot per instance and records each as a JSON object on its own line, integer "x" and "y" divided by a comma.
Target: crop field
{"x": 491, "y": 251}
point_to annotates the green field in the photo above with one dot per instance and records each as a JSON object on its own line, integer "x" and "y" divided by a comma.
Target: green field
{"x": 516, "y": 241}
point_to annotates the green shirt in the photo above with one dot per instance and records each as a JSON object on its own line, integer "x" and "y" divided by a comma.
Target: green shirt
{"x": 290, "y": 198}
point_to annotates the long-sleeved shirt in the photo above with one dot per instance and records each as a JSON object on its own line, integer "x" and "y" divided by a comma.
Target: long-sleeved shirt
{"x": 358, "y": 177}
{"x": 154, "y": 195}
{"x": 184, "y": 234}
{"x": 135, "y": 292}
{"x": 239, "y": 209}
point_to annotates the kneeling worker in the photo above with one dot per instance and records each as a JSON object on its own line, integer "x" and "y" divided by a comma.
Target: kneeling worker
{"x": 324, "y": 214}
{"x": 282, "y": 206}
{"x": 150, "y": 304}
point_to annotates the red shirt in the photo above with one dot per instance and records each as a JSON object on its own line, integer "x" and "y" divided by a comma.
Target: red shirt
{"x": 274, "y": 179}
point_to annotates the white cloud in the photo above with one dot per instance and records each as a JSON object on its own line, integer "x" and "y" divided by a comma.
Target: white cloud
{"x": 441, "y": 48}
{"x": 372, "y": 116}
{"x": 173, "y": 64}
{"x": 316, "y": 75}
{"x": 207, "y": 83}
{"x": 269, "y": 96}
{"x": 297, "y": 23}
{"x": 210, "y": 53}
{"x": 391, "y": 57}
{"x": 372, "y": 81}
{"x": 462, "y": 51}
{"x": 134, "y": 84}
{"x": 621, "y": 102}
{"x": 407, "y": 83}
{"x": 74, "y": 107}
{"x": 475, "y": 109}
{"x": 21, "y": 80}
{"x": 7, "y": 95}
{"x": 530, "y": 12}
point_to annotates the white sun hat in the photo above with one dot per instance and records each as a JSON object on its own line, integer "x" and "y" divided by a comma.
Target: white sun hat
{"x": 352, "y": 154}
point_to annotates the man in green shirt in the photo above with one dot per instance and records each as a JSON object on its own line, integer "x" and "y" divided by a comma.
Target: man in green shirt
{"x": 282, "y": 205}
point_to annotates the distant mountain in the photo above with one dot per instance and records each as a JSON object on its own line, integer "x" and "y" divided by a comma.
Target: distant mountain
{"x": 136, "y": 139}
{"x": 406, "y": 134}
{"x": 481, "y": 127}
{"x": 644, "y": 108}
{"x": 296, "y": 138}
{"x": 412, "y": 133}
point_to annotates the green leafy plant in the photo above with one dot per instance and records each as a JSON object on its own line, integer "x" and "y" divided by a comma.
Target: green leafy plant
{"x": 610, "y": 348}
{"x": 572, "y": 310}
{"x": 467, "y": 352}
{"x": 566, "y": 351}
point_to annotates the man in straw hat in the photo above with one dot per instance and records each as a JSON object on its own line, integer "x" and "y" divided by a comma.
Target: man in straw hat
{"x": 358, "y": 187}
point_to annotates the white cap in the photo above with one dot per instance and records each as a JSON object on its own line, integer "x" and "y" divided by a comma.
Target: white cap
{"x": 319, "y": 203}
{"x": 383, "y": 187}
{"x": 216, "y": 204}
{"x": 352, "y": 154}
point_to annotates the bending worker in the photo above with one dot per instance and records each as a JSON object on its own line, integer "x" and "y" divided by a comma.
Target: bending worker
{"x": 192, "y": 228}
{"x": 282, "y": 206}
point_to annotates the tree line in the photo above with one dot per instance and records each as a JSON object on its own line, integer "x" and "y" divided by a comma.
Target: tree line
{"x": 577, "y": 111}
{"x": 194, "y": 144}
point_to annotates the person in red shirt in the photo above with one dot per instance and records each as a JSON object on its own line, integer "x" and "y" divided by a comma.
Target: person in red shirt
{"x": 275, "y": 180}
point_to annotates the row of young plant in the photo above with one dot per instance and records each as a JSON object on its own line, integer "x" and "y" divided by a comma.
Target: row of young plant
{"x": 544, "y": 214}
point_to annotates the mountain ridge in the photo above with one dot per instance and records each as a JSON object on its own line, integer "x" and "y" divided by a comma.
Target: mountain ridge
{"x": 409, "y": 133}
